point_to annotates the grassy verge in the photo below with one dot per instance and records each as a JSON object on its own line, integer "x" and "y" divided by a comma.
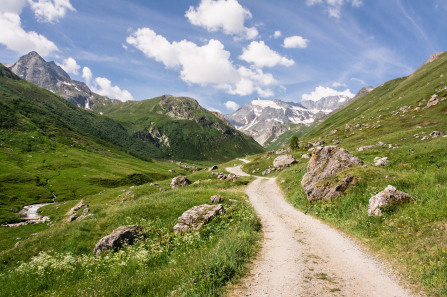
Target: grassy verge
{"x": 59, "y": 259}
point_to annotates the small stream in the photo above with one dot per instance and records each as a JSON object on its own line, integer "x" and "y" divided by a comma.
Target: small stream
{"x": 29, "y": 212}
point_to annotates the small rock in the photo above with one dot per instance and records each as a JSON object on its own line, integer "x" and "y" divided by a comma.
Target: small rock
{"x": 387, "y": 197}
{"x": 213, "y": 168}
{"x": 171, "y": 170}
{"x": 85, "y": 211}
{"x": 217, "y": 198}
{"x": 380, "y": 143}
{"x": 381, "y": 161}
{"x": 425, "y": 138}
{"x": 281, "y": 151}
{"x": 197, "y": 216}
{"x": 306, "y": 156}
{"x": 435, "y": 134}
{"x": 348, "y": 127}
{"x": 180, "y": 181}
{"x": 119, "y": 236}
{"x": 79, "y": 207}
{"x": 73, "y": 217}
{"x": 284, "y": 160}
{"x": 197, "y": 182}
{"x": 365, "y": 148}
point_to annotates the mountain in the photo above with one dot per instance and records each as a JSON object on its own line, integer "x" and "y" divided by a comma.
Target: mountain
{"x": 265, "y": 120}
{"x": 181, "y": 128}
{"x": 32, "y": 67}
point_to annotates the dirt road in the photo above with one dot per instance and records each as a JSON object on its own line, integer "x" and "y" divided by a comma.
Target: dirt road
{"x": 301, "y": 256}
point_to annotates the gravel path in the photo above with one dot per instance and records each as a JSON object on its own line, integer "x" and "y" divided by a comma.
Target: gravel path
{"x": 301, "y": 256}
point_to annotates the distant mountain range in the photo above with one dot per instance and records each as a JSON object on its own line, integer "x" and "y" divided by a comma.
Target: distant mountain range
{"x": 32, "y": 67}
{"x": 266, "y": 120}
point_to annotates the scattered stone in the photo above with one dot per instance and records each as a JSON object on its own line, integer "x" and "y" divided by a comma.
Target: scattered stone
{"x": 79, "y": 207}
{"x": 214, "y": 167}
{"x": 73, "y": 217}
{"x": 432, "y": 102}
{"x": 320, "y": 143}
{"x": 180, "y": 181}
{"x": 217, "y": 198}
{"x": 197, "y": 182}
{"x": 358, "y": 126}
{"x": 284, "y": 161}
{"x": 378, "y": 161}
{"x": 435, "y": 134}
{"x": 222, "y": 176}
{"x": 120, "y": 236}
{"x": 349, "y": 127}
{"x": 332, "y": 132}
{"x": 197, "y": 216}
{"x": 129, "y": 195}
{"x": 327, "y": 162}
{"x": 171, "y": 170}
{"x": 365, "y": 148}
{"x": 17, "y": 244}
{"x": 267, "y": 171}
{"x": 425, "y": 138}
{"x": 153, "y": 184}
{"x": 281, "y": 151}
{"x": 85, "y": 211}
{"x": 380, "y": 143}
{"x": 214, "y": 173}
{"x": 306, "y": 156}
{"x": 387, "y": 197}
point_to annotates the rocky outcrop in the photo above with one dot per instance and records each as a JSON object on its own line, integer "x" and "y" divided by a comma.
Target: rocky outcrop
{"x": 197, "y": 216}
{"x": 387, "y": 198}
{"x": 120, "y": 236}
{"x": 381, "y": 161}
{"x": 179, "y": 181}
{"x": 217, "y": 199}
{"x": 327, "y": 162}
{"x": 284, "y": 161}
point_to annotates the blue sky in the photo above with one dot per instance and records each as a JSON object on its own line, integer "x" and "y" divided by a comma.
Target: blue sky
{"x": 224, "y": 53}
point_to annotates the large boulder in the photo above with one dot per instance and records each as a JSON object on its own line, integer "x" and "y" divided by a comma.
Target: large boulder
{"x": 284, "y": 161}
{"x": 387, "y": 198}
{"x": 120, "y": 236}
{"x": 180, "y": 181}
{"x": 197, "y": 216}
{"x": 327, "y": 162}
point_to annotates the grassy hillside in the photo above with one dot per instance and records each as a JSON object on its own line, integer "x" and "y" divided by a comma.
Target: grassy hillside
{"x": 181, "y": 128}
{"x": 284, "y": 139}
{"x": 413, "y": 237}
{"x": 49, "y": 147}
{"x": 59, "y": 260}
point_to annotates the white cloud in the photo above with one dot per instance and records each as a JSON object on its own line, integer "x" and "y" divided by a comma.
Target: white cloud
{"x": 70, "y": 66}
{"x": 337, "y": 84}
{"x": 87, "y": 75}
{"x": 295, "y": 42}
{"x": 334, "y": 6}
{"x": 231, "y": 105}
{"x": 50, "y": 10}
{"x": 321, "y": 92}
{"x": 261, "y": 55}
{"x": 208, "y": 64}
{"x": 361, "y": 81}
{"x": 16, "y": 39}
{"x": 277, "y": 34}
{"x": 13, "y": 6}
{"x": 103, "y": 86}
{"x": 225, "y": 15}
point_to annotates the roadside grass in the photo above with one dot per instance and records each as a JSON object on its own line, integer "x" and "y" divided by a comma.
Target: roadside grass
{"x": 59, "y": 260}
{"x": 411, "y": 237}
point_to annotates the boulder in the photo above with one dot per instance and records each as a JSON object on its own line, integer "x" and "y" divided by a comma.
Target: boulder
{"x": 179, "y": 181}
{"x": 197, "y": 216}
{"x": 425, "y": 138}
{"x": 284, "y": 161}
{"x": 435, "y": 134}
{"x": 381, "y": 161}
{"x": 306, "y": 156}
{"x": 388, "y": 197}
{"x": 327, "y": 162}
{"x": 85, "y": 211}
{"x": 217, "y": 199}
{"x": 380, "y": 143}
{"x": 171, "y": 170}
{"x": 365, "y": 148}
{"x": 213, "y": 168}
{"x": 120, "y": 236}
{"x": 73, "y": 217}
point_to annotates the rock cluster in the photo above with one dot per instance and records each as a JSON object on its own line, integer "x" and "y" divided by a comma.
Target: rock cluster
{"x": 388, "y": 197}
{"x": 378, "y": 161}
{"x": 179, "y": 181}
{"x": 326, "y": 162}
{"x": 120, "y": 236}
{"x": 217, "y": 198}
{"x": 197, "y": 216}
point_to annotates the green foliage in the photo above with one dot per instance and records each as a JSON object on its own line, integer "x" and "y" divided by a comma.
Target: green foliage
{"x": 294, "y": 142}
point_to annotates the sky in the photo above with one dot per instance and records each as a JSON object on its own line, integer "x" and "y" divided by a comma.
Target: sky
{"x": 224, "y": 53}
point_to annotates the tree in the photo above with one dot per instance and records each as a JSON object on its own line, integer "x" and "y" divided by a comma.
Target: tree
{"x": 294, "y": 142}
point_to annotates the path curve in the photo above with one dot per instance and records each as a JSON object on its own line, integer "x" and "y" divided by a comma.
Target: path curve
{"x": 301, "y": 256}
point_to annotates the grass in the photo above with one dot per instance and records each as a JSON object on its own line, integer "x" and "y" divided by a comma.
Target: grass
{"x": 59, "y": 260}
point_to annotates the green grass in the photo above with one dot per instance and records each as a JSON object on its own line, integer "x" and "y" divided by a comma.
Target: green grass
{"x": 59, "y": 260}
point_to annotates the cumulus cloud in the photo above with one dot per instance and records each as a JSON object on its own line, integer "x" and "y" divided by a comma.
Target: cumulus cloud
{"x": 277, "y": 34}
{"x": 16, "y": 39}
{"x": 208, "y": 64}
{"x": 103, "y": 86}
{"x": 70, "y": 66}
{"x": 12, "y": 6}
{"x": 227, "y": 16}
{"x": 334, "y": 7}
{"x": 259, "y": 54}
{"x": 50, "y": 10}
{"x": 321, "y": 92}
{"x": 295, "y": 42}
{"x": 231, "y": 105}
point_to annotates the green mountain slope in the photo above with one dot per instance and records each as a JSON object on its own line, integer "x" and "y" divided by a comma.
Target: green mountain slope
{"x": 49, "y": 147}
{"x": 181, "y": 128}
{"x": 284, "y": 139}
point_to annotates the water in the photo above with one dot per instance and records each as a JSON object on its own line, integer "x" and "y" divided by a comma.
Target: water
{"x": 29, "y": 212}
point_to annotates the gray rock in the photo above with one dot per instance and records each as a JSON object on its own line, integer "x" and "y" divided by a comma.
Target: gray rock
{"x": 180, "y": 181}
{"x": 284, "y": 161}
{"x": 217, "y": 198}
{"x": 435, "y": 134}
{"x": 85, "y": 211}
{"x": 267, "y": 171}
{"x": 425, "y": 138}
{"x": 380, "y": 143}
{"x": 282, "y": 151}
{"x": 381, "y": 161}
{"x": 387, "y": 197}
{"x": 197, "y": 216}
{"x": 120, "y": 236}
{"x": 365, "y": 148}
{"x": 79, "y": 207}
{"x": 73, "y": 217}
{"x": 326, "y": 162}
{"x": 349, "y": 127}
{"x": 213, "y": 168}
{"x": 171, "y": 170}
{"x": 306, "y": 156}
